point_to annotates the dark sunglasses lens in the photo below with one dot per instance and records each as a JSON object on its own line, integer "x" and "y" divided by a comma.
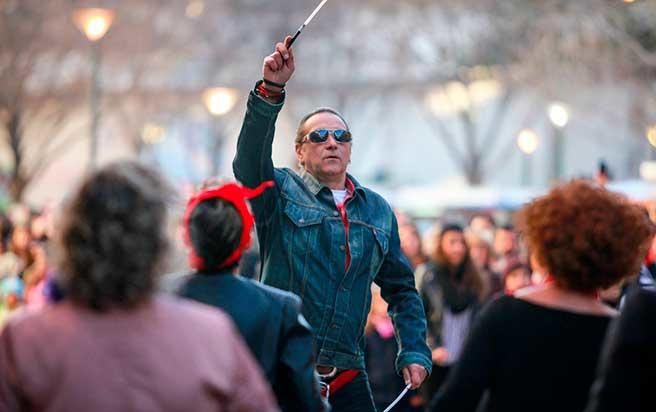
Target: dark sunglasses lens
{"x": 342, "y": 135}
{"x": 319, "y": 136}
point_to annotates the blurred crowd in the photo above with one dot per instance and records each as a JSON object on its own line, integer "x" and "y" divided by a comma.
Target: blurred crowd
{"x": 461, "y": 265}
{"x": 24, "y": 235}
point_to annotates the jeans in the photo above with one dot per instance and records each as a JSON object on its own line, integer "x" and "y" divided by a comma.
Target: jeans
{"x": 355, "y": 396}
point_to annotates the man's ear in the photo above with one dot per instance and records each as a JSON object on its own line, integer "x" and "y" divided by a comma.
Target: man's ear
{"x": 298, "y": 148}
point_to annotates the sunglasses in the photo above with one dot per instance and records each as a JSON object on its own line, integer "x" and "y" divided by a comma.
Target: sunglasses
{"x": 321, "y": 135}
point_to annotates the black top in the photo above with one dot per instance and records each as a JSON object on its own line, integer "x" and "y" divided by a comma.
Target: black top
{"x": 529, "y": 357}
{"x": 628, "y": 367}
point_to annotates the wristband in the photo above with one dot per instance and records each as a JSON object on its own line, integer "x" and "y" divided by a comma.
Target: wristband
{"x": 270, "y": 83}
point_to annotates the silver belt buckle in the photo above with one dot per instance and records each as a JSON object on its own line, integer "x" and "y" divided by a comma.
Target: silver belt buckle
{"x": 328, "y": 375}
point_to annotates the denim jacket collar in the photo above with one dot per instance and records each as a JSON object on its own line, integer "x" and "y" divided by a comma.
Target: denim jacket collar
{"x": 315, "y": 186}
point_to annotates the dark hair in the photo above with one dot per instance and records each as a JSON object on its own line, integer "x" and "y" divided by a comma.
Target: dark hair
{"x": 471, "y": 279}
{"x": 6, "y": 229}
{"x": 215, "y": 229}
{"x": 586, "y": 236}
{"x": 506, "y": 227}
{"x": 300, "y": 131}
{"x": 113, "y": 237}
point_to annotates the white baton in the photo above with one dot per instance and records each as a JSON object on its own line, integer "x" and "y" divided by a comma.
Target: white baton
{"x": 398, "y": 398}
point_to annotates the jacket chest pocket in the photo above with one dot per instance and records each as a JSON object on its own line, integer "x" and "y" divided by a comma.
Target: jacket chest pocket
{"x": 379, "y": 251}
{"x": 304, "y": 227}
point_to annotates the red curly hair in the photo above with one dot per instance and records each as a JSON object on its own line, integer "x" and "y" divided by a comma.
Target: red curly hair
{"x": 586, "y": 236}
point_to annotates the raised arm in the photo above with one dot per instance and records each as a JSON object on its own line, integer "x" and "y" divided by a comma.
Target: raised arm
{"x": 252, "y": 164}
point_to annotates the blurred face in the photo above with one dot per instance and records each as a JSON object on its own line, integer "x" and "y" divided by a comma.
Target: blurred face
{"x": 38, "y": 227}
{"x": 479, "y": 253}
{"x": 504, "y": 242}
{"x": 325, "y": 161}
{"x": 453, "y": 247}
{"x": 481, "y": 223}
{"x": 410, "y": 242}
{"x": 517, "y": 279}
{"x": 20, "y": 238}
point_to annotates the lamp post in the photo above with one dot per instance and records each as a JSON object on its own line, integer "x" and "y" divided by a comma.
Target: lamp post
{"x": 527, "y": 141}
{"x": 219, "y": 101}
{"x": 94, "y": 23}
{"x": 559, "y": 117}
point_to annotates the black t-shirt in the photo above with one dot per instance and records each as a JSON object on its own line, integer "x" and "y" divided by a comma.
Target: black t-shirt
{"x": 529, "y": 357}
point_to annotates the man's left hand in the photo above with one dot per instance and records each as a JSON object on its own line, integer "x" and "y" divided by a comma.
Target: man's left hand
{"x": 414, "y": 374}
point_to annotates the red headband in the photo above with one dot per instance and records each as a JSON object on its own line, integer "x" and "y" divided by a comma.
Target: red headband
{"x": 237, "y": 196}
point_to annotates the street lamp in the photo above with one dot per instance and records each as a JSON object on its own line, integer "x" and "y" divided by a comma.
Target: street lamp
{"x": 559, "y": 117}
{"x": 94, "y": 23}
{"x": 219, "y": 101}
{"x": 527, "y": 141}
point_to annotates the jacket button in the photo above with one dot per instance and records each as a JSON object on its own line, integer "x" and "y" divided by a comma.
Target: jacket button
{"x": 301, "y": 221}
{"x": 342, "y": 248}
{"x": 335, "y": 213}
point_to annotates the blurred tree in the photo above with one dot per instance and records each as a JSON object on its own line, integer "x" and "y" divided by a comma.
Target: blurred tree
{"x": 36, "y": 40}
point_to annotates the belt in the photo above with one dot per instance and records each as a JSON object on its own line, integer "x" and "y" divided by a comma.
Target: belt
{"x": 335, "y": 380}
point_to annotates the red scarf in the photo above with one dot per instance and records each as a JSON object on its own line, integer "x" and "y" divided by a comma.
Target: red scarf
{"x": 236, "y": 195}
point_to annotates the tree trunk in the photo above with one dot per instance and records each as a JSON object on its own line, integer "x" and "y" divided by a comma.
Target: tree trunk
{"x": 17, "y": 182}
{"x": 17, "y": 188}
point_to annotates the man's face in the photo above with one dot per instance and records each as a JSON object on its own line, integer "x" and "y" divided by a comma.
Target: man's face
{"x": 325, "y": 161}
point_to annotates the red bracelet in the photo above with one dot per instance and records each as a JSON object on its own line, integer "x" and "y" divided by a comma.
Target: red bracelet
{"x": 266, "y": 93}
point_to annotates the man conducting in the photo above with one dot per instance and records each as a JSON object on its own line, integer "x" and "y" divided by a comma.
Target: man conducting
{"x": 326, "y": 238}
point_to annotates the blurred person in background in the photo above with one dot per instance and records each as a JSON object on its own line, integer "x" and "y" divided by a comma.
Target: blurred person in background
{"x": 505, "y": 248}
{"x": 451, "y": 290}
{"x": 33, "y": 261}
{"x": 380, "y": 354}
{"x": 517, "y": 276}
{"x": 627, "y": 370}
{"x": 480, "y": 251}
{"x": 218, "y": 225}
{"x": 538, "y": 350}
{"x": 10, "y": 264}
{"x": 11, "y": 296}
{"x": 484, "y": 225}
{"x": 411, "y": 244}
{"x": 114, "y": 344}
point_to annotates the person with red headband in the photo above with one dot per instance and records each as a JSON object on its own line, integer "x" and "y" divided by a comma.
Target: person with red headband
{"x": 217, "y": 229}
{"x": 326, "y": 238}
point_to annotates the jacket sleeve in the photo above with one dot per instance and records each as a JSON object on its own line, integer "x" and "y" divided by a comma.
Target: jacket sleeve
{"x": 297, "y": 373}
{"x": 397, "y": 285}
{"x": 252, "y": 164}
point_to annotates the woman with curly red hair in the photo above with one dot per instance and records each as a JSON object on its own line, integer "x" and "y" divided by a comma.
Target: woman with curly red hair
{"x": 538, "y": 350}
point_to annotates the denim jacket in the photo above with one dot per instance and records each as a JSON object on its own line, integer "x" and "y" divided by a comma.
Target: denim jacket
{"x": 302, "y": 245}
